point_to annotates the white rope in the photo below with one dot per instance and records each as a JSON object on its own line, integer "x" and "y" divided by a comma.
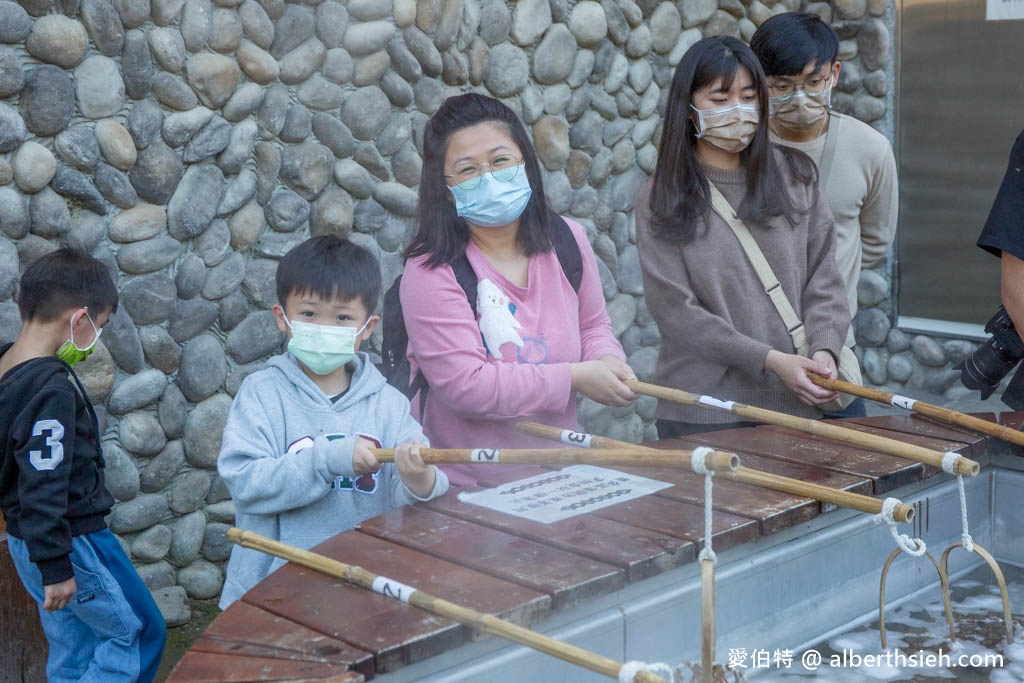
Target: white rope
{"x": 949, "y": 459}
{"x": 949, "y": 467}
{"x": 914, "y": 547}
{"x": 629, "y": 670}
{"x": 698, "y": 461}
{"x": 965, "y": 536}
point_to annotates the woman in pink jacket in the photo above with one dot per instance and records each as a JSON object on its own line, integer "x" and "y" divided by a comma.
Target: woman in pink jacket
{"x": 534, "y": 334}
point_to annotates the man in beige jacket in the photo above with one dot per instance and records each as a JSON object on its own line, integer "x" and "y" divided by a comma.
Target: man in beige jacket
{"x": 857, "y": 170}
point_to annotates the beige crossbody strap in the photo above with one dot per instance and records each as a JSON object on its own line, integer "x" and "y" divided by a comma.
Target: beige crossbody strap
{"x": 764, "y": 271}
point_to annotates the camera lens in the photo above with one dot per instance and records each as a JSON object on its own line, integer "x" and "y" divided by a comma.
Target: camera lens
{"x": 986, "y": 367}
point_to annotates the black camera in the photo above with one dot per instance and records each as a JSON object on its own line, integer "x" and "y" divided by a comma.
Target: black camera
{"x": 986, "y": 367}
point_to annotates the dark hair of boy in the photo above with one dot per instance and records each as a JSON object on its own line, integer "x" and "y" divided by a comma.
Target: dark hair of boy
{"x": 65, "y": 279}
{"x": 786, "y": 43}
{"x": 330, "y": 267}
{"x": 441, "y": 234}
{"x": 680, "y": 194}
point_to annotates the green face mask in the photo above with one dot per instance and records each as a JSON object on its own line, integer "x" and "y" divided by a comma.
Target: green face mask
{"x": 323, "y": 348}
{"x": 70, "y": 353}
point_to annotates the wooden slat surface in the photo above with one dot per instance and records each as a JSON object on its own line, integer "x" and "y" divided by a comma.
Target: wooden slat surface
{"x": 682, "y": 520}
{"x": 886, "y": 472}
{"x": 249, "y": 632}
{"x": 773, "y": 509}
{"x": 522, "y": 570}
{"x": 210, "y": 667}
{"x": 898, "y": 426}
{"x": 567, "y": 578}
{"x": 640, "y": 552}
{"x": 397, "y": 633}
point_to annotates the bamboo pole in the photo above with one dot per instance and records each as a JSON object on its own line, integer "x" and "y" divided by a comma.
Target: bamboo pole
{"x": 928, "y": 409}
{"x": 743, "y": 474}
{"x": 625, "y": 454}
{"x": 487, "y": 623}
{"x": 962, "y": 465}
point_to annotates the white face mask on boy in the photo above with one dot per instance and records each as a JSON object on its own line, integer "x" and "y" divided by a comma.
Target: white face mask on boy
{"x": 323, "y": 348}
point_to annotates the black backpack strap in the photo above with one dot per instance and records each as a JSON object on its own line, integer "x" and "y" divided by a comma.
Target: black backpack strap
{"x": 467, "y": 279}
{"x": 567, "y": 250}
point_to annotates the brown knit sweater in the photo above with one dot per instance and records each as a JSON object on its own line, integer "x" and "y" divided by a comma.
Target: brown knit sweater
{"x": 716, "y": 322}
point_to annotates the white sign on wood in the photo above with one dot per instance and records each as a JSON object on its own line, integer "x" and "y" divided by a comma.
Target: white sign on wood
{"x": 554, "y": 496}
{"x": 1001, "y": 10}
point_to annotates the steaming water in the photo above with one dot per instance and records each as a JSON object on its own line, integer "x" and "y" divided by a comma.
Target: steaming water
{"x": 919, "y": 628}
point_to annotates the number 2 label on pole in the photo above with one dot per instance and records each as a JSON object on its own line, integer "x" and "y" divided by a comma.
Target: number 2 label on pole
{"x": 485, "y": 455}
{"x": 390, "y": 588}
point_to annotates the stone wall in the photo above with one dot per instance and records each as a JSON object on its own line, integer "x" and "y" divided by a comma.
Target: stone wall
{"x": 189, "y": 144}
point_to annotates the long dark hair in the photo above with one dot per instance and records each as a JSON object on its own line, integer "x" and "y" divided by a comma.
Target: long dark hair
{"x": 680, "y": 196}
{"x": 440, "y": 233}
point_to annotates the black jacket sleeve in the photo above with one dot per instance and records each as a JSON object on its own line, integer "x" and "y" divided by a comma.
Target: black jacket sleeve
{"x": 1004, "y": 229}
{"x": 44, "y": 449}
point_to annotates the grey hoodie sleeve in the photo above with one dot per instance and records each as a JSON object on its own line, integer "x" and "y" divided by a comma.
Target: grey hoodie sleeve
{"x": 407, "y": 429}
{"x": 265, "y": 475}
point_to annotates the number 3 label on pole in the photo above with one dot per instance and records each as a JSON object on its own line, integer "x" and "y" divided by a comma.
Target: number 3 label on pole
{"x": 55, "y": 455}
{"x": 572, "y": 438}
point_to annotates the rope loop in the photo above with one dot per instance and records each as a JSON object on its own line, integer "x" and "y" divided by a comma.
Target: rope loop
{"x": 965, "y": 536}
{"x": 949, "y": 459}
{"x": 698, "y": 460}
{"x": 914, "y": 547}
{"x": 629, "y": 670}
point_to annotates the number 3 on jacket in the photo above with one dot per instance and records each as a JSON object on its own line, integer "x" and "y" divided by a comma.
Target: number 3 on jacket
{"x": 48, "y": 461}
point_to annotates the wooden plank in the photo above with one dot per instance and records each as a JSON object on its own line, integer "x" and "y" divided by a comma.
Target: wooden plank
{"x": 568, "y": 578}
{"x": 775, "y": 510}
{"x": 398, "y": 634}
{"x": 921, "y": 432}
{"x": 213, "y": 667}
{"x": 1012, "y": 419}
{"x": 886, "y": 472}
{"x": 641, "y": 553}
{"x": 682, "y": 520}
{"x": 247, "y": 631}
{"x": 772, "y": 510}
{"x": 23, "y": 648}
{"x": 974, "y": 443}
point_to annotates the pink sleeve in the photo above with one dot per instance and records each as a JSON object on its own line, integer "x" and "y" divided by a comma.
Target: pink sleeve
{"x": 445, "y": 340}
{"x": 596, "y": 335}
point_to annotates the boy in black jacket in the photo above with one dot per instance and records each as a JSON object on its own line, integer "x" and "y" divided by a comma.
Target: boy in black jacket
{"x": 99, "y": 618}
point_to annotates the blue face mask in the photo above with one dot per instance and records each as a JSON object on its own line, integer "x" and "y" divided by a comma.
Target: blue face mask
{"x": 489, "y": 202}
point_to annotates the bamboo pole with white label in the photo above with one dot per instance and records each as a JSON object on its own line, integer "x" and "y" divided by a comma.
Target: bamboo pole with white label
{"x": 627, "y": 454}
{"x": 927, "y": 409}
{"x": 960, "y": 464}
{"x": 745, "y": 475}
{"x": 396, "y": 590}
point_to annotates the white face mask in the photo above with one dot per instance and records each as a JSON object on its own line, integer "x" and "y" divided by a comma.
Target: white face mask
{"x": 323, "y": 348}
{"x": 730, "y": 128}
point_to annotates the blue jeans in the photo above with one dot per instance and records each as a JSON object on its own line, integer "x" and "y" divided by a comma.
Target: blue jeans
{"x": 856, "y": 409}
{"x": 111, "y": 630}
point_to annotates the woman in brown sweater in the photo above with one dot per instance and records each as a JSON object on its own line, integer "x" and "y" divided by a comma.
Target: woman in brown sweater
{"x": 720, "y": 333}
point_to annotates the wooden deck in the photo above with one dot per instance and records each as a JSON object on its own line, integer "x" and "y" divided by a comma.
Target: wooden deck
{"x": 298, "y": 625}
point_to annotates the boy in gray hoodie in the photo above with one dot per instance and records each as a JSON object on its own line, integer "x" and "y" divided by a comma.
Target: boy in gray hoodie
{"x": 296, "y": 450}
